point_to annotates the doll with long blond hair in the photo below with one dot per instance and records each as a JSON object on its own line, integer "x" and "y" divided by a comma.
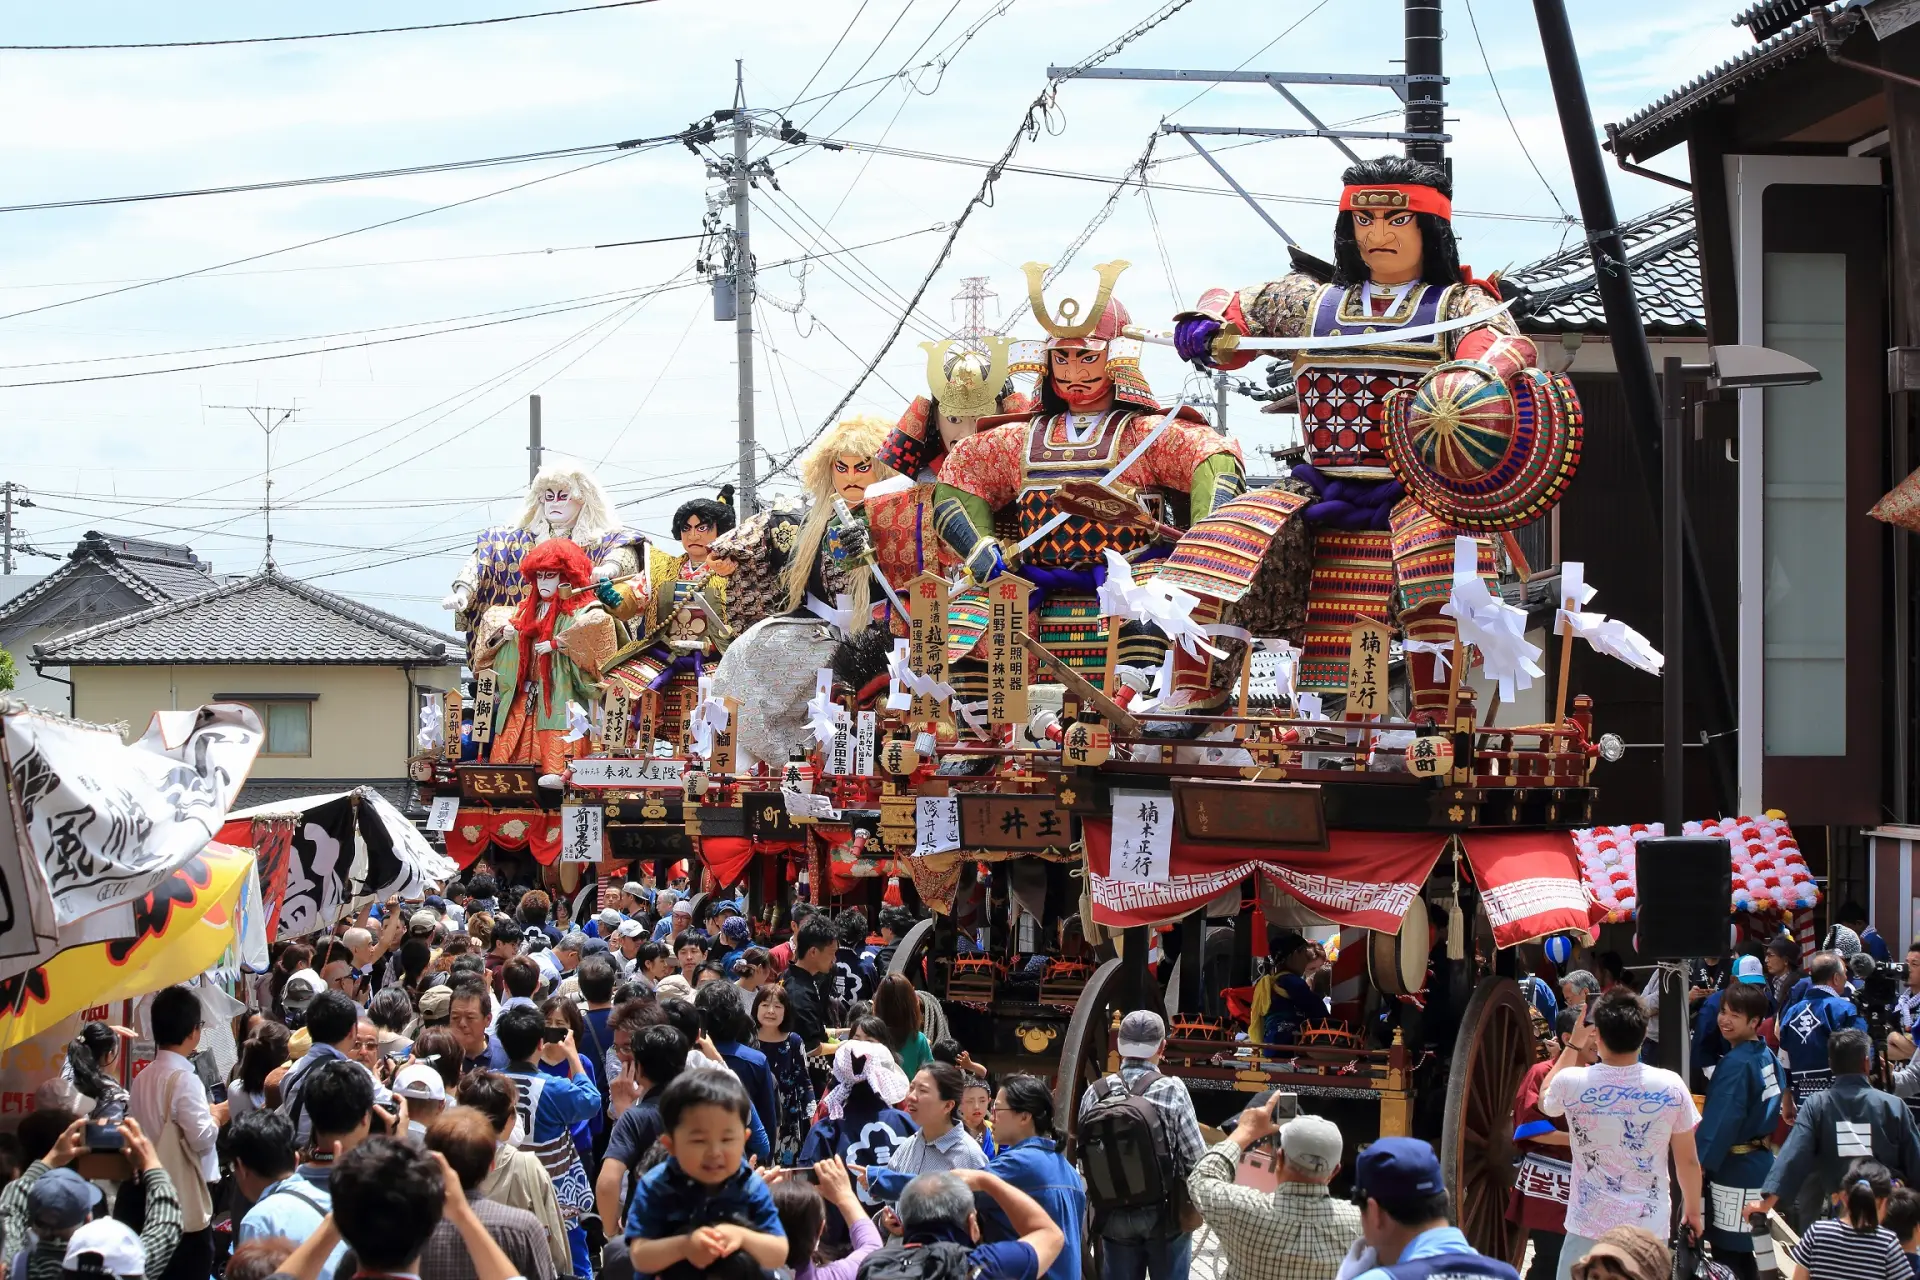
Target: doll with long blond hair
{"x": 841, "y": 464}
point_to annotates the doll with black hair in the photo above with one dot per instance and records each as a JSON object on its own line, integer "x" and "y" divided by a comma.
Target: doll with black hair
{"x": 1385, "y": 496}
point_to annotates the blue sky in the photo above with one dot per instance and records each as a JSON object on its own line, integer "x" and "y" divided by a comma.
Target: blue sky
{"x": 403, "y": 449}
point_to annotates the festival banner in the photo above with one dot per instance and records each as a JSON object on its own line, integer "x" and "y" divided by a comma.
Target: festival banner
{"x": 172, "y": 934}
{"x": 28, "y": 931}
{"x": 1530, "y": 883}
{"x": 108, "y": 822}
{"x": 1363, "y": 878}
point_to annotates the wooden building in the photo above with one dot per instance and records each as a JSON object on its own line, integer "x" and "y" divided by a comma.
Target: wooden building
{"x": 1802, "y": 157}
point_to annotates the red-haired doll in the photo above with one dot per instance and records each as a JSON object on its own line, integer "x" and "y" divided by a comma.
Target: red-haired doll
{"x": 536, "y": 679}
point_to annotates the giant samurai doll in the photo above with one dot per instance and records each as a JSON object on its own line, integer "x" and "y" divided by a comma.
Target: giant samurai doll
{"x": 1439, "y": 425}
{"x": 1098, "y": 421}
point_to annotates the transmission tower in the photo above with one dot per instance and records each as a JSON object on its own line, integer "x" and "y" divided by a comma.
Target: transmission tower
{"x": 973, "y": 296}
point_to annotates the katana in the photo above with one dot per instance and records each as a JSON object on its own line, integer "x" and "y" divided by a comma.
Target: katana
{"x": 1226, "y": 342}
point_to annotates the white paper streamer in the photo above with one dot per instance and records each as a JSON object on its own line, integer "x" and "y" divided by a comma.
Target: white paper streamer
{"x": 1494, "y": 627}
{"x": 1607, "y": 635}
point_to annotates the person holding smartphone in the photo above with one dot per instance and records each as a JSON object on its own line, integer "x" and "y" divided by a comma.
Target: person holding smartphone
{"x": 1297, "y": 1229}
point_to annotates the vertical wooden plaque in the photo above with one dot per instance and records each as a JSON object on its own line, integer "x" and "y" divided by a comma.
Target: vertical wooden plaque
{"x": 1006, "y": 657}
{"x": 1367, "y": 669}
{"x": 927, "y": 637}
{"x": 617, "y": 732}
{"x": 450, "y": 717}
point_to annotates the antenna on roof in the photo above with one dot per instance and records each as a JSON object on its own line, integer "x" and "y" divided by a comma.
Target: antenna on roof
{"x": 263, "y": 417}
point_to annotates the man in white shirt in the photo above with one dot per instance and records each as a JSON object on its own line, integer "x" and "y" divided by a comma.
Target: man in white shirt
{"x": 1623, "y": 1119}
{"x": 169, "y": 1092}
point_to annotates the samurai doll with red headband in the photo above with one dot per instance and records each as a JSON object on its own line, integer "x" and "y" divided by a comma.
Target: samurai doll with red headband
{"x": 1423, "y": 415}
{"x": 536, "y": 679}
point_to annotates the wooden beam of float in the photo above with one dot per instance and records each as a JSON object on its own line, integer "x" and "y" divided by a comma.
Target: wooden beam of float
{"x": 1115, "y": 714}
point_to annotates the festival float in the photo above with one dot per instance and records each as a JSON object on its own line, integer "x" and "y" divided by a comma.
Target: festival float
{"x": 1047, "y": 666}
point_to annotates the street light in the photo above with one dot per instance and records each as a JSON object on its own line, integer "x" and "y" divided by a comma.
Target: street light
{"x": 1730, "y": 368}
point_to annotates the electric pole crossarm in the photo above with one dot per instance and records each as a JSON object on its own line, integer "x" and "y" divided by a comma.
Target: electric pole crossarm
{"x": 1396, "y": 83}
{"x": 1228, "y": 178}
{"x": 1230, "y": 131}
{"x": 1314, "y": 120}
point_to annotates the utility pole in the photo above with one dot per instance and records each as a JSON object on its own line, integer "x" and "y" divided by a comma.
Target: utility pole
{"x": 8, "y": 501}
{"x": 1426, "y": 86}
{"x": 263, "y": 417}
{"x": 743, "y": 285}
{"x": 533, "y": 438}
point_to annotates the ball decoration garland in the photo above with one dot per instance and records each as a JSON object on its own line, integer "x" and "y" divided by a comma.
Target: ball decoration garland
{"x": 1769, "y": 871}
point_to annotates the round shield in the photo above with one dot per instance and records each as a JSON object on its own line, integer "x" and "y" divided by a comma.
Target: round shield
{"x": 1482, "y": 453}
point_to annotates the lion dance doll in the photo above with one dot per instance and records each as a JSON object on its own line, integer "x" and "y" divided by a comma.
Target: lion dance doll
{"x": 533, "y": 671}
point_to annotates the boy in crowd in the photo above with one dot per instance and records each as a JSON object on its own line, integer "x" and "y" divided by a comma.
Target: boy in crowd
{"x": 703, "y": 1211}
{"x": 1743, "y": 1107}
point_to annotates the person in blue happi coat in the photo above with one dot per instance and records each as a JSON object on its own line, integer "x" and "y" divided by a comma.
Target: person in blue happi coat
{"x": 1743, "y": 1106}
{"x": 1805, "y": 1027}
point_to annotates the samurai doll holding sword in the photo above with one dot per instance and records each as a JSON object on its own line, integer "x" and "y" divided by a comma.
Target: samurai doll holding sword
{"x": 1097, "y": 421}
{"x": 1439, "y": 425}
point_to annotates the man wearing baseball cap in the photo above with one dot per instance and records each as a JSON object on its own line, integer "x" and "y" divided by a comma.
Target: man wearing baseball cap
{"x": 58, "y": 1203}
{"x": 1403, "y": 1218}
{"x": 1296, "y": 1232}
{"x": 426, "y": 1095}
{"x": 1709, "y": 1046}
{"x": 1137, "y": 1240}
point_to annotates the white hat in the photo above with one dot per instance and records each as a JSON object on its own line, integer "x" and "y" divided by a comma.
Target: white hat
{"x": 608, "y": 918}
{"x": 1312, "y": 1145}
{"x": 421, "y": 1083}
{"x": 114, "y": 1241}
{"x": 631, "y": 929}
{"x": 684, "y": 907}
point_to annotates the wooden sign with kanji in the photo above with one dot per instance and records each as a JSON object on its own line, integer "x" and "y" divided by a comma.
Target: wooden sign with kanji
{"x": 927, "y": 637}
{"x": 1367, "y": 669}
{"x": 1006, "y": 657}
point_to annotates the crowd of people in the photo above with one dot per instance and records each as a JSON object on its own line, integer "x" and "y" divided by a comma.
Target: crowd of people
{"x": 646, "y": 1094}
{"x": 1806, "y": 1069}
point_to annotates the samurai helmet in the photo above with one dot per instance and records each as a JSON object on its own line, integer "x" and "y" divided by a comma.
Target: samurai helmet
{"x": 1103, "y": 322}
{"x": 966, "y": 382}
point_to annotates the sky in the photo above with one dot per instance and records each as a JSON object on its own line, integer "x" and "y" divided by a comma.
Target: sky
{"x": 412, "y": 435}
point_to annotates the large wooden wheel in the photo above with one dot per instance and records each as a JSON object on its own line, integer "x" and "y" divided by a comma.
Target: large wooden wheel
{"x": 912, "y": 950}
{"x": 1494, "y": 1049}
{"x": 1084, "y": 1049}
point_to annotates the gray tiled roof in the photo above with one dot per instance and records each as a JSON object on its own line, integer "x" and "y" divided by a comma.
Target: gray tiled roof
{"x": 1664, "y": 253}
{"x": 264, "y": 619}
{"x": 153, "y": 571}
{"x": 1636, "y": 136}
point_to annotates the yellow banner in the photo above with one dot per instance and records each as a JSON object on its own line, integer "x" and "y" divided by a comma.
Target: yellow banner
{"x": 179, "y": 931}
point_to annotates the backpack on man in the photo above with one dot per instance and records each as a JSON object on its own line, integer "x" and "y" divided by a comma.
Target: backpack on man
{"x": 941, "y": 1260}
{"x": 1123, "y": 1146}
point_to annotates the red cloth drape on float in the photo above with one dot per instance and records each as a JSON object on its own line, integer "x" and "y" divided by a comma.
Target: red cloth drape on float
{"x": 1530, "y": 883}
{"x": 1364, "y": 878}
{"x": 510, "y": 829}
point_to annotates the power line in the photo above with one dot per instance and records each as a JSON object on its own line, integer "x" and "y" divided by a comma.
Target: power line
{"x": 338, "y": 235}
{"x": 1073, "y": 175}
{"x": 366, "y": 175}
{"x": 1031, "y": 122}
{"x": 1291, "y": 27}
{"x": 321, "y": 35}
{"x": 1501, "y": 98}
{"x": 385, "y": 262}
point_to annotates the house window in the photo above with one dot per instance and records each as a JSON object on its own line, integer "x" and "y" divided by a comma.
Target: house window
{"x": 1804, "y": 505}
{"x": 287, "y": 718}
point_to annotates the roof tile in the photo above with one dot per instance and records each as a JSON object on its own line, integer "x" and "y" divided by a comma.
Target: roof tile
{"x": 1664, "y": 254}
{"x": 264, "y": 619}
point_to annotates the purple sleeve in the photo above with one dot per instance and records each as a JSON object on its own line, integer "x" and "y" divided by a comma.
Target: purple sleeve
{"x": 865, "y": 1238}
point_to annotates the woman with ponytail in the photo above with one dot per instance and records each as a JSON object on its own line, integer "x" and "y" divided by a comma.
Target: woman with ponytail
{"x": 1030, "y": 1158}
{"x": 93, "y": 1057}
{"x": 1854, "y": 1246}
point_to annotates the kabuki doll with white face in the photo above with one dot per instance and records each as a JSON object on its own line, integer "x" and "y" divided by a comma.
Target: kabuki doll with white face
{"x": 564, "y": 501}
{"x": 1411, "y": 440}
{"x": 535, "y": 677}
